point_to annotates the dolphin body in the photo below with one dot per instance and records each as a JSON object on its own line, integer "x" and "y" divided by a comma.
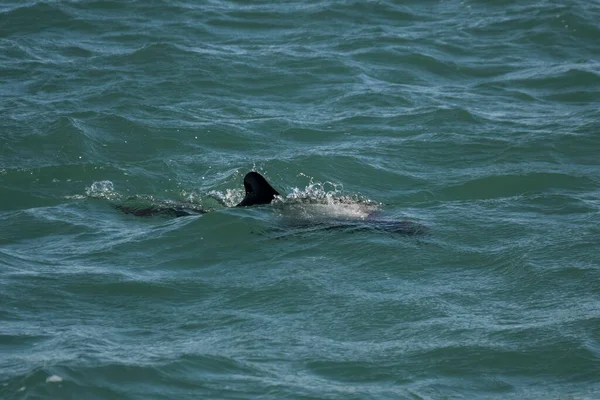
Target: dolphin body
{"x": 259, "y": 191}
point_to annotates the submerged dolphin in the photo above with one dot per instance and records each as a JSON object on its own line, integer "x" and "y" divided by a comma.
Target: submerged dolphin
{"x": 259, "y": 191}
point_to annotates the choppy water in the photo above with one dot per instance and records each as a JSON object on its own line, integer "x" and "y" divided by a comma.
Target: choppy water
{"x": 477, "y": 119}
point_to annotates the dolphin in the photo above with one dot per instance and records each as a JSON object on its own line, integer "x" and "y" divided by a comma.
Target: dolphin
{"x": 258, "y": 191}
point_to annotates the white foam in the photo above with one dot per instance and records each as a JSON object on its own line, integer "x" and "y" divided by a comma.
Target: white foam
{"x": 75, "y": 197}
{"x": 322, "y": 201}
{"x": 102, "y": 190}
{"x": 326, "y": 211}
{"x": 54, "y": 379}
{"x": 230, "y": 197}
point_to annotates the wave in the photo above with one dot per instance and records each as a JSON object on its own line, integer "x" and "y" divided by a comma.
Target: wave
{"x": 39, "y": 17}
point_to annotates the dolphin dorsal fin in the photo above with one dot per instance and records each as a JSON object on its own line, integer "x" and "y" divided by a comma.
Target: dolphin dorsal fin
{"x": 258, "y": 190}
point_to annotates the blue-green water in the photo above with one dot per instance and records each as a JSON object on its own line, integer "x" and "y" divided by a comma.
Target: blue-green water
{"x": 479, "y": 120}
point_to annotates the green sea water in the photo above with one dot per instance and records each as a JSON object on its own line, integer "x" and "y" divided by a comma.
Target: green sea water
{"x": 479, "y": 120}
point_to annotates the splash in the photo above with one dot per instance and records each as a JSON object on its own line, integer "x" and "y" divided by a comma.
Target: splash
{"x": 320, "y": 201}
{"x": 229, "y": 198}
{"x": 54, "y": 379}
{"x": 103, "y": 190}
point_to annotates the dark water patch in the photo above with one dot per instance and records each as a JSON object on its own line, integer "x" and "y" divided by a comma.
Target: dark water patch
{"x": 363, "y": 38}
{"x": 514, "y": 185}
{"x": 536, "y": 359}
{"x": 359, "y": 372}
{"x": 90, "y": 285}
{"x": 33, "y": 18}
{"x": 43, "y": 222}
{"x": 19, "y": 198}
{"x": 74, "y": 51}
{"x": 193, "y": 365}
{"x": 308, "y": 135}
{"x": 19, "y": 341}
{"x": 433, "y": 64}
{"x": 561, "y": 78}
{"x": 578, "y": 274}
{"x": 14, "y": 56}
{"x": 556, "y": 204}
{"x": 100, "y": 5}
{"x": 507, "y": 92}
{"x": 381, "y": 11}
{"x": 519, "y": 18}
{"x": 582, "y": 97}
{"x": 447, "y": 115}
{"x": 413, "y": 66}
{"x": 379, "y": 105}
{"x": 274, "y": 294}
{"x": 247, "y": 24}
{"x": 114, "y": 133}
{"x": 484, "y": 70}
{"x": 252, "y": 17}
{"x": 157, "y": 57}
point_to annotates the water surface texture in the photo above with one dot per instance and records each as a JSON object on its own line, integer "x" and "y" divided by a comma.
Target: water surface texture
{"x": 479, "y": 120}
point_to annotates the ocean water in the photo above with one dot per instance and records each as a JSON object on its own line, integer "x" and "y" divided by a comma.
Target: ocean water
{"x": 479, "y": 120}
